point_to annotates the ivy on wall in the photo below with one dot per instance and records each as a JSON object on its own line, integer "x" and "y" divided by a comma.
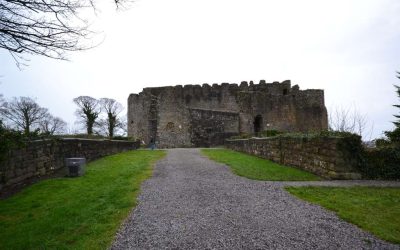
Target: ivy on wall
{"x": 10, "y": 139}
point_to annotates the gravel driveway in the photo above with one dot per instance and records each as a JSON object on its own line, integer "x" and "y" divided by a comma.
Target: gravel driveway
{"x": 192, "y": 202}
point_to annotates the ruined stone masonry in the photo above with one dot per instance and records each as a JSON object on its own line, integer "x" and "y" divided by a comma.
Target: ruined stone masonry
{"x": 45, "y": 157}
{"x": 322, "y": 156}
{"x": 203, "y": 116}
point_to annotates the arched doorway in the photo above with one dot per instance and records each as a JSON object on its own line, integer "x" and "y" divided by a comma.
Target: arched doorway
{"x": 257, "y": 124}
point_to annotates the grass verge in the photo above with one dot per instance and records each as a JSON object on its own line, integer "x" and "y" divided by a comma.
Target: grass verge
{"x": 376, "y": 210}
{"x": 256, "y": 168}
{"x": 76, "y": 213}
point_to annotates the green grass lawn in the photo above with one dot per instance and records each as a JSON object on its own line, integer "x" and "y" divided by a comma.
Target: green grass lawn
{"x": 376, "y": 210}
{"x": 76, "y": 213}
{"x": 256, "y": 168}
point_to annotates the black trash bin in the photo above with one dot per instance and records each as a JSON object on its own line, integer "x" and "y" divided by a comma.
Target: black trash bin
{"x": 76, "y": 166}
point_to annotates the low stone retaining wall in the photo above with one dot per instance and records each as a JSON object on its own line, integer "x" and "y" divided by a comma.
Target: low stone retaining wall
{"x": 45, "y": 157}
{"x": 323, "y": 156}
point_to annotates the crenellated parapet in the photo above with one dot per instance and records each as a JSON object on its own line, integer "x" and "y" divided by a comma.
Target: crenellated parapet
{"x": 273, "y": 88}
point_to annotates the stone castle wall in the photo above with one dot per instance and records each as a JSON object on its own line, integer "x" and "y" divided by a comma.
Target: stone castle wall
{"x": 210, "y": 127}
{"x": 321, "y": 155}
{"x": 153, "y": 112}
{"x": 45, "y": 157}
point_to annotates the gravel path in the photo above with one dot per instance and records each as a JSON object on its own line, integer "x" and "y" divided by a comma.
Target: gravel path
{"x": 194, "y": 203}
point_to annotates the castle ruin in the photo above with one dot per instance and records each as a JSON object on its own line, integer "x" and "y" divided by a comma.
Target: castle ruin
{"x": 203, "y": 116}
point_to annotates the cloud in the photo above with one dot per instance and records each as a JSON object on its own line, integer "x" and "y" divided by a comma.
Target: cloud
{"x": 348, "y": 48}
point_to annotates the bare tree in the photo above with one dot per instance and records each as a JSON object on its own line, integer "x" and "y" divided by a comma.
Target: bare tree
{"x": 23, "y": 112}
{"x": 88, "y": 111}
{"x": 44, "y": 27}
{"x": 112, "y": 121}
{"x": 349, "y": 120}
{"x": 2, "y": 101}
{"x": 52, "y": 125}
{"x": 1, "y": 109}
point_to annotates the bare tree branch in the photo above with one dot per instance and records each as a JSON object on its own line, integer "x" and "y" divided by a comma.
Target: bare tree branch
{"x": 349, "y": 120}
{"x": 52, "y": 125}
{"x": 23, "y": 112}
{"x": 2, "y": 102}
{"x": 49, "y": 28}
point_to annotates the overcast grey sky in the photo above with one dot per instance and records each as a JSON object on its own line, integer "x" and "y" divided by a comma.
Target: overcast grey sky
{"x": 349, "y": 48}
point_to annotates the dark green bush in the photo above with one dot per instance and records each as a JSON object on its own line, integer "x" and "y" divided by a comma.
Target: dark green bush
{"x": 270, "y": 133}
{"x": 382, "y": 163}
{"x": 10, "y": 139}
{"x": 82, "y": 136}
{"x": 123, "y": 138}
{"x": 394, "y": 136}
{"x": 382, "y": 142}
{"x": 97, "y": 136}
{"x": 330, "y": 133}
